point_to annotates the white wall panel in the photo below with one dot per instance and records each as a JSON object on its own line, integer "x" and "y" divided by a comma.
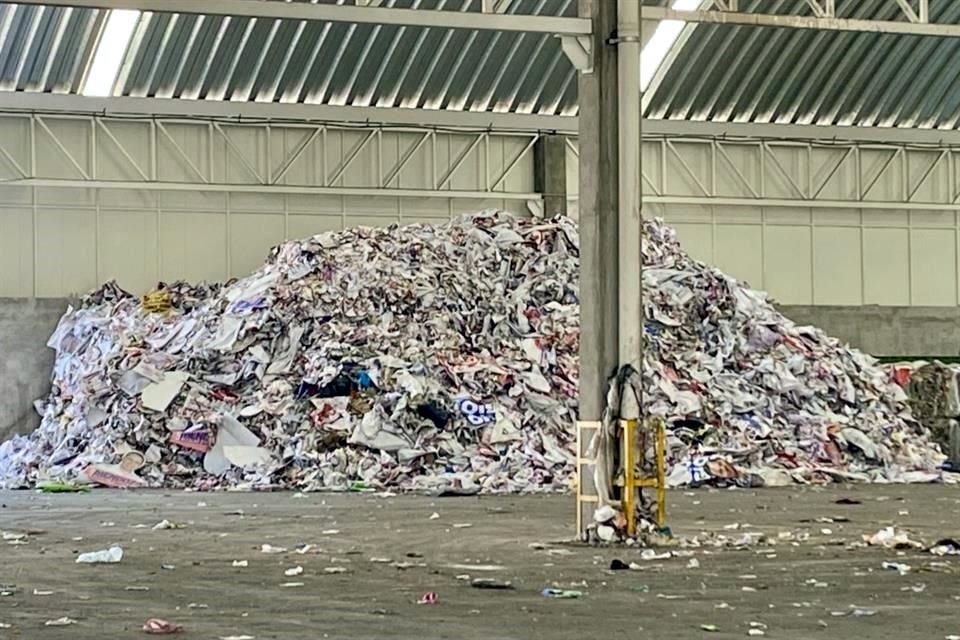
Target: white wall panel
{"x": 697, "y": 240}
{"x": 302, "y": 226}
{"x": 886, "y": 266}
{"x": 67, "y": 251}
{"x": 739, "y": 250}
{"x": 813, "y": 223}
{"x": 129, "y": 249}
{"x": 806, "y": 257}
{"x": 252, "y": 235}
{"x": 837, "y": 274}
{"x": 788, "y": 266}
{"x": 193, "y": 246}
{"x": 215, "y": 197}
{"x": 933, "y": 272}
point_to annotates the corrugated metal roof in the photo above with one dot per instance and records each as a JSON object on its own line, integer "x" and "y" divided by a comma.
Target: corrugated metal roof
{"x": 796, "y": 76}
{"x": 718, "y": 72}
{"x": 223, "y": 58}
{"x": 46, "y": 48}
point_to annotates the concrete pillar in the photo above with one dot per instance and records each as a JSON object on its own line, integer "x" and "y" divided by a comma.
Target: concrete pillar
{"x": 550, "y": 173}
{"x": 630, "y": 293}
{"x": 598, "y": 205}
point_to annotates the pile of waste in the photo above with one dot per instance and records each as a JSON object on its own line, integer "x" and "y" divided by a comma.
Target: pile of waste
{"x": 757, "y": 400}
{"x": 444, "y": 358}
{"x": 419, "y": 357}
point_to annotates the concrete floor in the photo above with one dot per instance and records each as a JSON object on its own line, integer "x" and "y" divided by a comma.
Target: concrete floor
{"x": 796, "y": 592}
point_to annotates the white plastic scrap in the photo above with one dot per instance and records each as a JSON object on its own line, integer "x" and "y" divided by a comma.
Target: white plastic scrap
{"x": 269, "y": 548}
{"x": 446, "y": 358}
{"x": 892, "y": 538}
{"x": 105, "y": 556}
{"x": 899, "y": 567}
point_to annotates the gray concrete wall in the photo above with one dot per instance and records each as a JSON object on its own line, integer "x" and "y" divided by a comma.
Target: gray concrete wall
{"x": 887, "y": 331}
{"x": 25, "y": 325}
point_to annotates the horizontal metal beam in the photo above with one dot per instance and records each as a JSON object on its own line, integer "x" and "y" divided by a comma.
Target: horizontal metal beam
{"x": 35, "y": 102}
{"x": 366, "y": 192}
{"x": 803, "y": 22}
{"x": 343, "y": 13}
{"x": 805, "y": 132}
{"x": 722, "y": 201}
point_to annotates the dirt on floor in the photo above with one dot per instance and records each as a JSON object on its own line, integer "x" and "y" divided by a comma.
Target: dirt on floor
{"x": 812, "y": 588}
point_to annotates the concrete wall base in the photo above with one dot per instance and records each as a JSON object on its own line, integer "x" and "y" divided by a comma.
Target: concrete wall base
{"x": 25, "y": 326}
{"x": 887, "y": 331}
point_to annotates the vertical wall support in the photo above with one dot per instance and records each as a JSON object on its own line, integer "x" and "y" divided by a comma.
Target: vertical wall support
{"x": 550, "y": 173}
{"x": 598, "y": 211}
{"x": 630, "y": 302}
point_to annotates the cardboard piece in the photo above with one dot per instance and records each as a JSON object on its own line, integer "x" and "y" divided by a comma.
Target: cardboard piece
{"x": 158, "y": 395}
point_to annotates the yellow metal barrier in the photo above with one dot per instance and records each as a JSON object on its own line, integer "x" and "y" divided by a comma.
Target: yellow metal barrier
{"x": 640, "y": 472}
{"x": 655, "y": 478}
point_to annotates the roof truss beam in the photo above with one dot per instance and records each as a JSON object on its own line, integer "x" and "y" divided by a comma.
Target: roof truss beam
{"x": 325, "y": 159}
{"x": 369, "y": 14}
{"x": 258, "y": 111}
{"x": 932, "y": 138}
{"x": 254, "y": 112}
{"x": 915, "y": 13}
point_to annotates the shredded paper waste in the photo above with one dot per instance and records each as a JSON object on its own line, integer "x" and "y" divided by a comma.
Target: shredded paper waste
{"x": 445, "y": 358}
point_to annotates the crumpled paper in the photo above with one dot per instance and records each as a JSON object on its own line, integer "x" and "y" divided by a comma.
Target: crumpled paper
{"x": 418, "y": 357}
{"x": 751, "y": 398}
{"x": 445, "y": 358}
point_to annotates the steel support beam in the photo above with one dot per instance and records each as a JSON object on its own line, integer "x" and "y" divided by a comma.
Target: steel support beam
{"x": 773, "y": 131}
{"x": 722, "y": 201}
{"x": 36, "y": 102}
{"x": 469, "y": 120}
{"x": 258, "y": 111}
{"x": 343, "y": 13}
{"x": 824, "y": 23}
{"x": 598, "y": 197}
{"x": 211, "y": 187}
{"x": 199, "y": 155}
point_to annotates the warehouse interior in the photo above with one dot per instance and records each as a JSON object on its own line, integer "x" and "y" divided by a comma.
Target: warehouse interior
{"x": 807, "y": 148}
{"x": 144, "y": 145}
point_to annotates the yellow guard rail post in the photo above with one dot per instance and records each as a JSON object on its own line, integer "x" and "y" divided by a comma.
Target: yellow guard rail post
{"x": 633, "y": 442}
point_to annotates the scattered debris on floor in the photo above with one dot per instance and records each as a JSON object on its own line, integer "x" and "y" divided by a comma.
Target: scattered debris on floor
{"x": 563, "y": 594}
{"x": 112, "y": 555}
{"x": 490, "y": 583}
{"x": 892, "y": 538}
{"x": 157, "y": 626}
{"x": 946, "y": 547}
